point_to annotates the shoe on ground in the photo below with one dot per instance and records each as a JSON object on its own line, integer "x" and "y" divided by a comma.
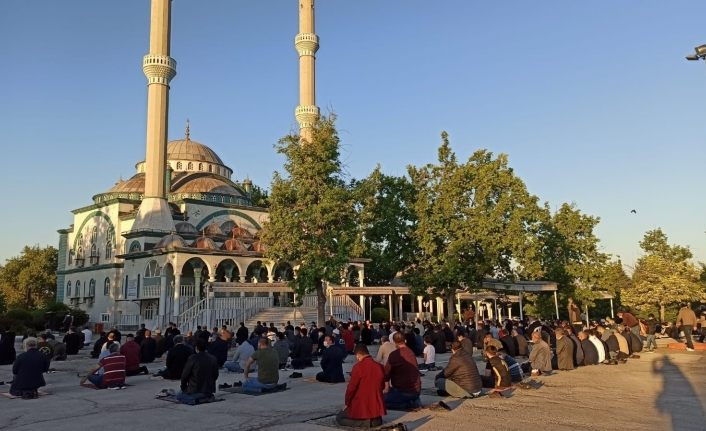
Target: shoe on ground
{"x": 688, "y": 349}
{"x": 224, "y": 386}
{"x": 295, "y": 375}
{"x": 444, "y": 406}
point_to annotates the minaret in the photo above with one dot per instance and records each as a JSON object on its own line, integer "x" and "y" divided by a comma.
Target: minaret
{"x": 159, "y": 68}
{"x": 306, "y": 43}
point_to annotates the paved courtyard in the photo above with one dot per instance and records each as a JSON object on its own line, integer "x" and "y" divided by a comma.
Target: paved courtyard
{"x": 664, "y": 390}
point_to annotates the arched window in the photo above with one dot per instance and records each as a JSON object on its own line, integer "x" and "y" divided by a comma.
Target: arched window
{"x": 109, "y": 244}
{"x": 135, "y": 246}
{"x": 68, "y": 289}
{"x": 190, "y": 166}
{"x": 152, "y": 269}
{"x": 178, "y": 166}
{"x": 210, "y": 168}
{"x": 92, "y": 288}
{"x": 106, "y": 286}
{"x": 94, "y": 234}
{"x": 77, "y": 289}
{"x": 94, "y": 254}
{"x": 200, "y": 166}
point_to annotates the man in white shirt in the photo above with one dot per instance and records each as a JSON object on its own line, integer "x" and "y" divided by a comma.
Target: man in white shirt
{"x": 429, "y": 355}
{"x": 87, "y": 336}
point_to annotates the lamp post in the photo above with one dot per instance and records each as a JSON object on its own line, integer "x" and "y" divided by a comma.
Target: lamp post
{"x": 699, "y": 55}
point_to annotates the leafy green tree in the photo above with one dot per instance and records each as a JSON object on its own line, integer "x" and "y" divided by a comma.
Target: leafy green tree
{"x": 475, "y": 220}
{"x": 664, "y": 276}
{"x": 385, "y": 223}
{"x": 28, "y": 281}
{"x": 572, "y": 258}
{"x": 312, "y": 220}
{"x": 259, "y": 196}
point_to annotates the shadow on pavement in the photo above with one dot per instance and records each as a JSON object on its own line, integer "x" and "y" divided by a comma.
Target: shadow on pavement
{"x": 678, "y": 398}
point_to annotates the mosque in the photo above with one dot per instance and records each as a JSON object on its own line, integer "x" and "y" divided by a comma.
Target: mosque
{"x": 179, "y": 240}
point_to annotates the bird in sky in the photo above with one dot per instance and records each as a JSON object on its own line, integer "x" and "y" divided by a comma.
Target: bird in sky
{"x": 633, "y": 212}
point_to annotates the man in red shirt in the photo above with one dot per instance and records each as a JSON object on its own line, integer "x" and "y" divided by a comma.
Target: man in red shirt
{"x": 364, "y": 400}
{"x": 347, "y": 336}
{"x": 403, "y": 385}
{"x": 630, "y": 321}
{"x": 131, "y": 351}
{"x": 110, "y": 371}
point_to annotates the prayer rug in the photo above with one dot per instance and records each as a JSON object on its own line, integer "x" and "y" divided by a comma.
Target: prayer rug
{"x": 239, "y": 390}
{"x": 172, "y": 399}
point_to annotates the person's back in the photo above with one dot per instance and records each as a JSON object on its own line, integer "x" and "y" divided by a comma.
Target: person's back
{"x": 590, "y": 352}
{"x": 200, "y": 373}
{"x": 564, "y": 351}
{"x": 578, "y": 350}
{"x": 73, "y": 343}
{"x": 462, "y": 370}
{"x": 176, "y": 359}
{"x": 28, "y": 370}
{"x": 113, "y": 367}
{"x": 467, "y": 345}
{"x": 131, "y": 351}
{"x": 87, "y": 336}
{"x": 148, "y": 349}
{"x": 622, "y": 343}
{"x": 600, "y": 347}
{"x": 386, "y": 348}
{"x": 401, "y": 370}
{"x": 364, "y": 398}
{"x": 540, "y": 356}
{"x": 513, "y": 367}
{"x": 522, "y": 346}
{"x": 219, "y": 349}
{"x": 500, "y": 374}
{"x": 282, "y": 349}
{"x": 509, "y": 344}
{"x": 242, "y": 353}
{"x": 267, "y": 361}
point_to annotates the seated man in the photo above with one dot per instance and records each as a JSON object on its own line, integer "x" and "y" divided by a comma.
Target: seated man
{"x": 302, "y": 351}
{"x": 87, "y": 336}
{"x": 499, "y": 374}
{"x": 403, "y": 385}
{"x": 598, "y": 344}
{"x": 515, "y": 369}
{"x": 590, "y": 353}
{"x": 488, "y": 340}
{"x": 219, "y": 347}
{"x": 131, "y": 351}
{"x": 45, "y": 347}
{"x": 540, "y": 356}
{"x": 386, "y": 347}
{"x": 148, "y": 348}
{"x": 466, "y": 342}
{"x": 240, "y": 357}
{"x": 176, "y": 359}
{"x": 331, "y": 362}
{"x": 72, "y": 341}
{"x": 522, "y": 347}
{"x": 460, "y": 378}
{"x": 28, "y": 370}
{"x": 564, "y": 351}
{"x": 110, "y": 371}
{"x": 267, "y": 368}
{"x": 282, "y": 348}
{"x": 429, "y": 355}
{"x": 364, "y": 399}
{"x": 198, "y": 380}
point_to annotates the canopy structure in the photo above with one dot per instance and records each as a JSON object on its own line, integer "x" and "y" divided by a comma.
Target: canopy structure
{"x": 525, "y": 286}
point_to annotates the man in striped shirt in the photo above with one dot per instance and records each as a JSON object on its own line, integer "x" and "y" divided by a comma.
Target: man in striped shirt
{"x": 110, "y": 371}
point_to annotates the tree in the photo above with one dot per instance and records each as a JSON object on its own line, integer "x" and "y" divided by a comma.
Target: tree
{"x": 29, "y": 280}
{"x": 385, "y": 223}
{"x": 571, "y": 257}
{"x": 312, "y": 221}
{"x": 475, "y": 220}
{"x": 259, "y": 196}
{"x": 663, "y": 276}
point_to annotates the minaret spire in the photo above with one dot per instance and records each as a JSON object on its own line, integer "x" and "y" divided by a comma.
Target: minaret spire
{"x": 159, "y": 68}
{"x": 306, "y": 43}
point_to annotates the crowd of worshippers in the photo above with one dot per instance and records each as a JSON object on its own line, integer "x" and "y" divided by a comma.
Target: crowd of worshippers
{"x": 512, "y": 350}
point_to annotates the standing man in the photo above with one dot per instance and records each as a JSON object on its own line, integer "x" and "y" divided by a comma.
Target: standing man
{"x": 687, "y": 320}
{"x": 631, "y": 322}
{"x": 364, "y": 399}
{"x": 575, "y": 316}
{"x": 403, "y": 384}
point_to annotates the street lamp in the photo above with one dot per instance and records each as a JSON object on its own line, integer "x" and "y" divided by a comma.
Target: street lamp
{"x": 700, "y": 54}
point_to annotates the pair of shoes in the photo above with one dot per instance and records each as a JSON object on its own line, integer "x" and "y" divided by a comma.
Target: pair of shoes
{"x": 689, "y": 349}
{"x": 237, "y": 384}
{"x": 440, "y": 405}
{"x": 224, "y": 386}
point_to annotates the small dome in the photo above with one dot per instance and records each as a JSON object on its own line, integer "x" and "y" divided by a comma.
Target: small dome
{"x": 186, "y": 228}
{"x": 205, "y": 243}
{"x": 205, "y": 184}
{"x": 213, "y": 230}
{"x": 171, "y": 241}
{"x": 186, "y": 149}
{"x": 235, "y": 245}
{"x": 258, "y": 246}
{"x": 136, "y": 184}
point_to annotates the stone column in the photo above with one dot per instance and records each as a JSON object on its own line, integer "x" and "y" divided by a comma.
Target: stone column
{"x": 400, "y": 307}
{"x": 361, "y": 302}
{"x": 162, "y": 294}
{"x": 177, "y": 294}
{"x": 420, "y": 307}
{"x": 361, "y": 278}
{"x": 440, "y": 308}
{"x": 197, "y": 284}
{"x": 389, "y": 305}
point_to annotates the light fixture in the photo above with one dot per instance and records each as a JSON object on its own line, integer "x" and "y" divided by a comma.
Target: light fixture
{"x": 700, "y": 53}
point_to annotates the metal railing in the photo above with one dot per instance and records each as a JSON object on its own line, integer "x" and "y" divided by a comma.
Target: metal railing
{"x": 223, "y": 311}
{"x": 345, "y": 308}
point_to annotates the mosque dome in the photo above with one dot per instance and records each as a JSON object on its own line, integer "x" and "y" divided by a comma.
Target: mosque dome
{"x": 186, "y": 149}
{"x": 186, "y": 228}
{"x": 205, "y": 243}
{"x": 171, "y": 241}
{"x": 235, "y": 245}
{"x": 258, "y": 246}
{"x": 136, "y": 184}
{"x": 204, "y": 184}
{"x": 213, "y": 230}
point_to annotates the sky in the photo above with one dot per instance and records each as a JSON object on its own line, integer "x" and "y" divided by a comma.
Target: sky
{"x": 593, "y": 101}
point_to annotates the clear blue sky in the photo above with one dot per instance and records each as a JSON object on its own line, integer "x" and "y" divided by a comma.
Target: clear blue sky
{"x": 593, "y": 101}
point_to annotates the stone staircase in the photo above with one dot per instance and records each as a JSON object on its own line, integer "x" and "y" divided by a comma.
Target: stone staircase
{"x": 279, "y": 315}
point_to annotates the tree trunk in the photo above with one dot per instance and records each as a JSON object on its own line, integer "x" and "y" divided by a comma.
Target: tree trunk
{"x": 450, "y": 305}
{"x": 320, "y": 303}
{"x": 661, "y": 312}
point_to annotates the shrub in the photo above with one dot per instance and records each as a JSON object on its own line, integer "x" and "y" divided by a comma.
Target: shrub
{"x": 380, "y": 314}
